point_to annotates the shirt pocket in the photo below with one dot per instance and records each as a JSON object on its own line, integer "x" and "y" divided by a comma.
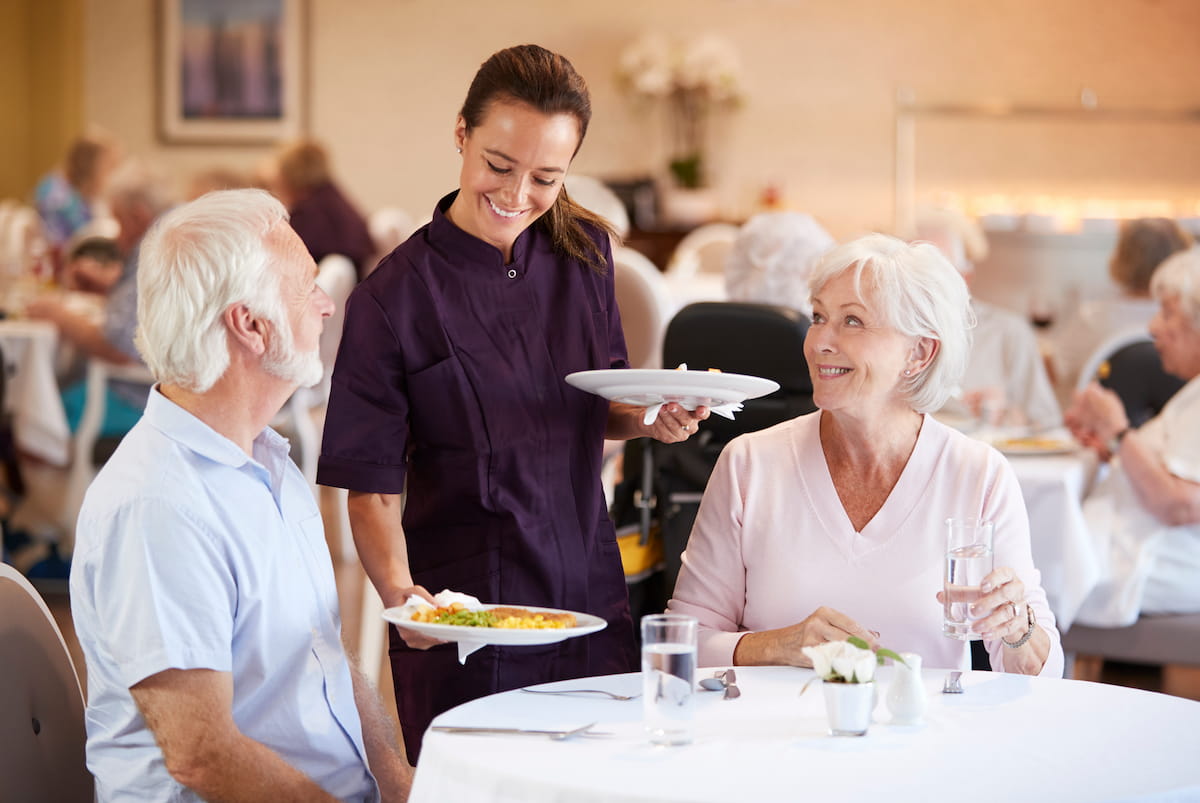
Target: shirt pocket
{"x": 444, "y": 409}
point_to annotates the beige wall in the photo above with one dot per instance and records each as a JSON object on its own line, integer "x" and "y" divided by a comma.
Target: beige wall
{"x": 41, "y": 88}
{"x": 388, "y": 75}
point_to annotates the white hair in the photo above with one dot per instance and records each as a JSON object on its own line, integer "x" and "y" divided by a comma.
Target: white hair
{"x": 920, "y": 294}
{"x": 1179, "y": 276}
{"x": 771, "y": 258}
{"x": 194, "y": 263}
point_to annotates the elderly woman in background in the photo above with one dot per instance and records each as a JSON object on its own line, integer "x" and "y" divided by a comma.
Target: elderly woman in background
{"x": 321, "y": 214}
{"x": 832, "y": 524}
{"x": 1005, "y": 381}
{"x": 1144, "y": 516}
{"x": 771, "y": 258}
{"x": 1142, "y": 246}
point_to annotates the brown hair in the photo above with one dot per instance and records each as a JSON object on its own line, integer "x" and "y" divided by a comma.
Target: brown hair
{"x": 84, "y": 163}
{"x": 303, "y": 167}
{"x": 1143, "y": 245}
{"x": 547, "y": 82}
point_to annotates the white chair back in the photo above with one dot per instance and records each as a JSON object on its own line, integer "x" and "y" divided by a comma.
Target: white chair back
{"x": 42, "y": 732}
{"x": 1123, "y": 338}
{"x": 595, "y": 196}
{"x": 389, "y": 227}
{"x": 702, "y": 251}
{"x": 22, "y": 242}
{"x": 644, "y": 300}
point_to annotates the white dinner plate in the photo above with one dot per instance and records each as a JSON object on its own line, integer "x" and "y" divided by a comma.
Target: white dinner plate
{"x": 1034, "y": 446}
{"x": 688, "y": 389}
{"x": 511, "y": 637}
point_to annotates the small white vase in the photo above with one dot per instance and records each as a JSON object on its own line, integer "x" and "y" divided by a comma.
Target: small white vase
{"x": 906, "y": 694}
{"x": 848, "y": 707}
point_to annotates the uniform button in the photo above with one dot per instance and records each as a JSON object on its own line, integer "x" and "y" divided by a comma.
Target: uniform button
{"x": 512, "y": 273}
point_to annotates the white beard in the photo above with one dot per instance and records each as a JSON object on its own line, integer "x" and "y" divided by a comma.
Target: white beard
{"x": 284, "y": 362}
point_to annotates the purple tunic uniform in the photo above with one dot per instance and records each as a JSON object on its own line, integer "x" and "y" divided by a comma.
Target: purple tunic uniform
{"x": 450, "y": 374}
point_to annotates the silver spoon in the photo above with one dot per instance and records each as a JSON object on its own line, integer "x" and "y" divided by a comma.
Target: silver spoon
{"x": 712, "y": 684}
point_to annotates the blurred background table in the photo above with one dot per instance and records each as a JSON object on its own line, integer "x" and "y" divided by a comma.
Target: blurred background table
{"x": 31, "y": 393}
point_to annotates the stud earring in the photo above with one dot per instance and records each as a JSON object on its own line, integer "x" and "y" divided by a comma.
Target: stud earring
{"x": 458, "y": 149}
{"x": 907, "y": 372}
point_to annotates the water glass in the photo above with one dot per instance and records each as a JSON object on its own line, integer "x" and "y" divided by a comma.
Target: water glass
{"x": 968, "y": 561}
{"x": 668, "y": 677}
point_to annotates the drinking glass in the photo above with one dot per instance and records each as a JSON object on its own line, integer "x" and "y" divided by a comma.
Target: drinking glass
{"x": 668, "y": 677}
{"x": 968, "y": 561}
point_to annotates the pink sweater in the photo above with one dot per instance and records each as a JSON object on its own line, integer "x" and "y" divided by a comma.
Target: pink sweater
{"x": 772, "y": 543}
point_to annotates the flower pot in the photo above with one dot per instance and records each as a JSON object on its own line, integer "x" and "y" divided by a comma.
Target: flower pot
{"x": 688, "y": 208}
{"x": 848, "y": 707}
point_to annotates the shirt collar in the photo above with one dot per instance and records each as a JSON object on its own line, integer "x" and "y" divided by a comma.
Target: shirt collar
{"x": 271, "y": 450}
{"x": 460, "y": 242}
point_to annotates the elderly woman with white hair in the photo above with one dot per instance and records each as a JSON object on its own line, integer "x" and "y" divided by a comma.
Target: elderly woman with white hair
{"x": 1144, "y": 516}
{"x": 771, "y": 258}
{"x": 832, "y": 524}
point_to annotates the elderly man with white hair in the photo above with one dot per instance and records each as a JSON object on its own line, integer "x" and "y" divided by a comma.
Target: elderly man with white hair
{"x": 202, "y": 589}
{"x": 1144, "y": 517}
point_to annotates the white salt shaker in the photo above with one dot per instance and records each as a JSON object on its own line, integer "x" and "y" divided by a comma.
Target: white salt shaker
{"x": 906, "y": 694}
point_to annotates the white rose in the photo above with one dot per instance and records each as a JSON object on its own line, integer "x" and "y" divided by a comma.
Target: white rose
{"x": 821, "y": 657}
{"x": 864, "y": 667}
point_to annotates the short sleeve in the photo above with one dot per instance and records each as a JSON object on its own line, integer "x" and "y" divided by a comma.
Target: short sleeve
{"x": 367, "y": 420}
{"x": 618, "y": 352}
{"x": 164, "y": 589}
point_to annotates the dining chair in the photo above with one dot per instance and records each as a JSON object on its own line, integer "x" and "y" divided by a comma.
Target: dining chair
{"x": 1129, "y": 365}
{"x": 702, "y": 251}
{"x": 87, "y": 437}
{"x": 299, "y": 417}
{"x": 389, "y": 226}
{"x": 645, "y": 304}
{"x": 596, "y": 196}
{"x": 755, "y": 339}
{"x": 42, "y": 732}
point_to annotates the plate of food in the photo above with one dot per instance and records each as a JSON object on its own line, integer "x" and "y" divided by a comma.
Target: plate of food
{"x": 1034, "y": 444}
{"x": 646, "y": 387}
{"x": 506, "y": 625}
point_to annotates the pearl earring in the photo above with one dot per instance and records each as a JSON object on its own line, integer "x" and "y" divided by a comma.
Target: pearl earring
{"x": 907, "y": 372}
{"x": 458, "y": 149}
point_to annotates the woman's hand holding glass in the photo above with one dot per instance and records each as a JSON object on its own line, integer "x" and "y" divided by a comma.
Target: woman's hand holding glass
{"x": 1000, "y": 611}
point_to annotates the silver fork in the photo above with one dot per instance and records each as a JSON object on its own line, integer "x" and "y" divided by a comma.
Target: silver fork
{"x": 613, "y": 695}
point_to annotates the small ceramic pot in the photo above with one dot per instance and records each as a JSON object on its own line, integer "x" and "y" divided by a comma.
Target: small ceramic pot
{"x": 848, "y": 707}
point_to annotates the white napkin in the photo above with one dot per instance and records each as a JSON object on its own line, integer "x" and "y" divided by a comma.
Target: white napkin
{"x": 725, "y": 410}
{"x": 444, "y": 599}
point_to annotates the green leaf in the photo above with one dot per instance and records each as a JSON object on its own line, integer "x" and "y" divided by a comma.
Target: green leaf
{"x": 883, "y": 652}
{"x": 857, "y": 642}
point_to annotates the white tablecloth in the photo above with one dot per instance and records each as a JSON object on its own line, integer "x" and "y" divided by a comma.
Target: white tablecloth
{"x": 1053, "y": 487}
{"x": 39, "y": 422}
{"x": 1007, "y": 738}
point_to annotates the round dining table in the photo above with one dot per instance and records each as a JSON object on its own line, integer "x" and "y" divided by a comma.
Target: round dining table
{"x": 1005, "y": 738}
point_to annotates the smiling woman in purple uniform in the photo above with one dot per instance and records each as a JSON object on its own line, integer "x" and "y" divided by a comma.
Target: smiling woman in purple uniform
{"x": 450, "y": 379}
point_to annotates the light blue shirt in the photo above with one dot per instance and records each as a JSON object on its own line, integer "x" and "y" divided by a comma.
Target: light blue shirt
{"x": 191, "y": 555}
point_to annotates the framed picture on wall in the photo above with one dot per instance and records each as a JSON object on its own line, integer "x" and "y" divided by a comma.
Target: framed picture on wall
{"x": 231, "y": 71}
